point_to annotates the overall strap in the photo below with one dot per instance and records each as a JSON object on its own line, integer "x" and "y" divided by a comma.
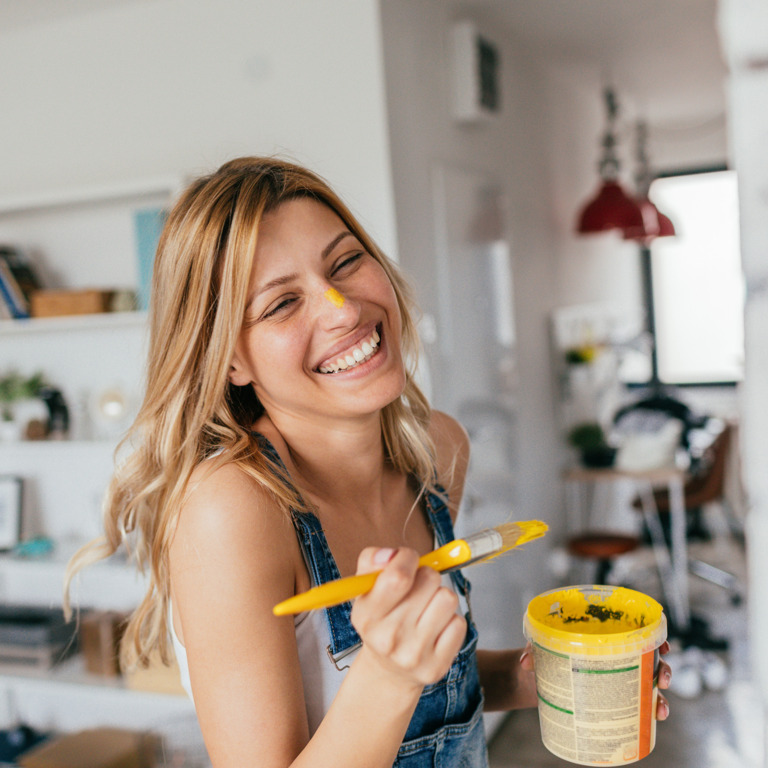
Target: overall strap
{"x": 320, "y": 564}
{"x": 440, "y": 519}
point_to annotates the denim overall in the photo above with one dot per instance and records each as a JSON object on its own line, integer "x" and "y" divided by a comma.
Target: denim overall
{"x": 446, "y": 730}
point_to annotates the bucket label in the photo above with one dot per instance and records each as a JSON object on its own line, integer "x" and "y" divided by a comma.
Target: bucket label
{"x": 597, "y": 710}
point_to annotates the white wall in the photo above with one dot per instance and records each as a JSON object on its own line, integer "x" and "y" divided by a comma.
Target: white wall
{"x": 172, "y": 87}
{"x": 743, "y": 28}
{"x": 510, "y": 150}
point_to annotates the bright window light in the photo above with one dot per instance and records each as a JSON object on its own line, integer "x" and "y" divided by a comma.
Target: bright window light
{"x": 698, "y": 285}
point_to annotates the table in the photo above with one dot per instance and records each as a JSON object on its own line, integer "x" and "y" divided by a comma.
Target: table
{"x": 671, "y": 560}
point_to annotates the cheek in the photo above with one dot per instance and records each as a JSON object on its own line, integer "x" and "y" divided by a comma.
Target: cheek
{"x": 270, "y": 354}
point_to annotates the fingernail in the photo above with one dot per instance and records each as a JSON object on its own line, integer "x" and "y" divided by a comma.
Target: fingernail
{"x": 523, "y": 656}
{"x": 384, "y": 555}
{"x": 662, "y": 712}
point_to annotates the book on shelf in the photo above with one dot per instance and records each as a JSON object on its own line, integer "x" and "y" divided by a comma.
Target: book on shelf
{"x": 18, "y": 281}
{"x": 10, "y": 292}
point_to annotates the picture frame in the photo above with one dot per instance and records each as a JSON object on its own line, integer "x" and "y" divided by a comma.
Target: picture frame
{"x": 10, "y": 511}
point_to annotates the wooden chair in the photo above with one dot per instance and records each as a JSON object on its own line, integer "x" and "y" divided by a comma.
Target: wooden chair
{"x": 706, "y": 486}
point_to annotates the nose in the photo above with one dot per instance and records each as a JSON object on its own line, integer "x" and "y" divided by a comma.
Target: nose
{"x": 337, "y": 310}
{"x": 334, "y": 297}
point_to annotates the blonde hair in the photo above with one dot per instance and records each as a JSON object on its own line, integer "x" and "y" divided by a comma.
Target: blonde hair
{"x": 190, "y": 410}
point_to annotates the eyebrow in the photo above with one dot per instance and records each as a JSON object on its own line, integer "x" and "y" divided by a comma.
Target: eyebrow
{"x": 283, "y": 279}
{"x": 336, "y": 240}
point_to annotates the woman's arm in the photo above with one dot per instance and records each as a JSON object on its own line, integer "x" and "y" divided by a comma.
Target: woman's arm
{"x": 233, "y": 557}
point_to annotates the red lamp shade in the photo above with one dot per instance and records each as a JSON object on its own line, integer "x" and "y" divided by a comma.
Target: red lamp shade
{"x": 666, "y": 227}
{"x": 612, "y": 208}
{"x": 655, "y": 224}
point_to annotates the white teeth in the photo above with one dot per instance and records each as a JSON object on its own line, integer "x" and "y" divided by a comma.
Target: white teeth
{"x": 356, "y": 356}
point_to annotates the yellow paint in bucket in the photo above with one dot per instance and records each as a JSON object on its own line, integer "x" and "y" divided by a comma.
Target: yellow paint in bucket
{"x": 595, "y": 653}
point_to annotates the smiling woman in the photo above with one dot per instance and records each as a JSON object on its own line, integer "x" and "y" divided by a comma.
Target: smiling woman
{"x": 282, "y": 443}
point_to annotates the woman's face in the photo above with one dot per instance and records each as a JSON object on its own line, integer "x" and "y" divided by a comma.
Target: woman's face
{"x": 322, "y": 330}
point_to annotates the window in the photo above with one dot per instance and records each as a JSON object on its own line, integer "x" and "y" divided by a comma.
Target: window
{"x": 697, "y": 281}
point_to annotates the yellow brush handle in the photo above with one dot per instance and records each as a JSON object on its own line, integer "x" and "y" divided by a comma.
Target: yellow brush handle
{"x": 339, "y": 591}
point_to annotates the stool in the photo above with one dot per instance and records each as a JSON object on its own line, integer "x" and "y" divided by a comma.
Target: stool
{"x": 603, "y": 547}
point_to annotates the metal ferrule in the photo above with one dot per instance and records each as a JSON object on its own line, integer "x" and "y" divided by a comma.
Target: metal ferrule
{"x": 484, "y": 543}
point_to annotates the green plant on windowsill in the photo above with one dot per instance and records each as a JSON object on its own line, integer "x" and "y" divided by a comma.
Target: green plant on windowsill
{"x": 589, "y": 439}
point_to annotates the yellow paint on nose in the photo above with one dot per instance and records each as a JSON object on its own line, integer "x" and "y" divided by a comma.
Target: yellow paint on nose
{"x": 334, "y": 297}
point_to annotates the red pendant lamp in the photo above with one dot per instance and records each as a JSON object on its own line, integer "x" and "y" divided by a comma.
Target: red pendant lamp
{"x": 611, "y": 208}
{"x": 655, "y": 224}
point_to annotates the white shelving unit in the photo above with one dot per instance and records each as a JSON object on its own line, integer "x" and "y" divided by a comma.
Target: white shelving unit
{"x": 78, "y": 238}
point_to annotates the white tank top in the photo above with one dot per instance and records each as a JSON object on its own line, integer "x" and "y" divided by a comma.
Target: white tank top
{"x": 320, "y": 675}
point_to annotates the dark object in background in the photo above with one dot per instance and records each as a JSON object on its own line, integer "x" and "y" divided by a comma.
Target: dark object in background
{"x": 58, "y": 413}
{"x": 16, "y": 741}
{"x": 598, "y": 457}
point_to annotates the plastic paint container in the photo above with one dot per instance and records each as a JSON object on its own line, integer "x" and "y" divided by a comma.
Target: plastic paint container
{"x": 595, "y": 650}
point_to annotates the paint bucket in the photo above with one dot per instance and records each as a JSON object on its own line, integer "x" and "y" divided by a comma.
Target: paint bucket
{"x": 595, "y": 650}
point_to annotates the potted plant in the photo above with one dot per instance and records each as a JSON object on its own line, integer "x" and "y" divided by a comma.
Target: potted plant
{"x": 15, "y": 388}
{"x": 589, "y": 439}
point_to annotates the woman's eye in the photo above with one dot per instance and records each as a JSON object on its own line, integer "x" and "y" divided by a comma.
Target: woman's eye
{"x": 281, "y": 306}
{"x": 346, "y": 262}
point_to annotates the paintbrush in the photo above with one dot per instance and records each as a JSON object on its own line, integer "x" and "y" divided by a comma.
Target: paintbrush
{"x": 477, "y": 548}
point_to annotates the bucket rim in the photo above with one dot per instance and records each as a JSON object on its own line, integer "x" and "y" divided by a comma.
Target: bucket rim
{"x": 643, "y": 638}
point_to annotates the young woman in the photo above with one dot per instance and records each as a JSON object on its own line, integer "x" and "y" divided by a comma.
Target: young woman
{"x": 283, "y": 442}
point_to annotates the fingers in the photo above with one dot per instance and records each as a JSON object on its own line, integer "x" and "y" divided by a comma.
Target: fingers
{"x": 665, "y": 674}
{"x": 526, "y": 658}
{"x": 409, "y": 620}
{"x": 662, "y": 708}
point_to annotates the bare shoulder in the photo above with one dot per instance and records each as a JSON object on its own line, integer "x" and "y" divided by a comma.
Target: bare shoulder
{"x": 451, "y": 454}
{"x": 226, "y": 510}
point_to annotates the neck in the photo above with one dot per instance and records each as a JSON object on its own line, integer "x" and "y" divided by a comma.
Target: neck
{"x": 336, "y": 466}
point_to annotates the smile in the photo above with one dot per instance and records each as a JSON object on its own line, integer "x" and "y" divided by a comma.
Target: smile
{"x": 351, "y": 359}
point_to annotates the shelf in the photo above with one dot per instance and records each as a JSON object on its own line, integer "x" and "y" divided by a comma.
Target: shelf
{"x": 112, "y": 584}
{"x": 72, "y": 671}
{"x": 73, "y": 323}
{"x": 89, "y": 195}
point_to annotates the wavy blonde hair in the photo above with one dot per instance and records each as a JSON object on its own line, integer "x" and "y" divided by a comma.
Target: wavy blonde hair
{"x": 190, "y": 410}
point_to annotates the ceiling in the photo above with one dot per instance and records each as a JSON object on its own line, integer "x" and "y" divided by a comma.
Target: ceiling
{"x": 661, "y": 55}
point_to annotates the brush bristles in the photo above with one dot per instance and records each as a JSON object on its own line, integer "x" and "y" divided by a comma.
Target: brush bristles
{"x": 517, "y": 534}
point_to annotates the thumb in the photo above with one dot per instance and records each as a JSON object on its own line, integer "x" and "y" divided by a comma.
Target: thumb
{"x": 373, "y": 559}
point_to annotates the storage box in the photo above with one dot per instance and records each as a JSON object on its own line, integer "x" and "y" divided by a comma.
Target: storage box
{"x": 95, "y": 748}
{"x": 100, "y": 635}
{"x": 156, "y": 678}
{"x": 73, "y": 302}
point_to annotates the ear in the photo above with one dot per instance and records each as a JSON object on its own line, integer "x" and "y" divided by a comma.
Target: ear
{"x": 237, "y": 373}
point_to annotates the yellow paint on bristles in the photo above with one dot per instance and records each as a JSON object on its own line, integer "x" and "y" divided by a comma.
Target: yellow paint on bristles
{"x": 334, "y": 297}
{"x": 516, "y": 534}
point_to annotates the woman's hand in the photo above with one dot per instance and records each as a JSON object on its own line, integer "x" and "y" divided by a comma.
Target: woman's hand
{"x": 507, "y": 679}
{"x": 408, "y": 622}
{"x": 665, "y": 675}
